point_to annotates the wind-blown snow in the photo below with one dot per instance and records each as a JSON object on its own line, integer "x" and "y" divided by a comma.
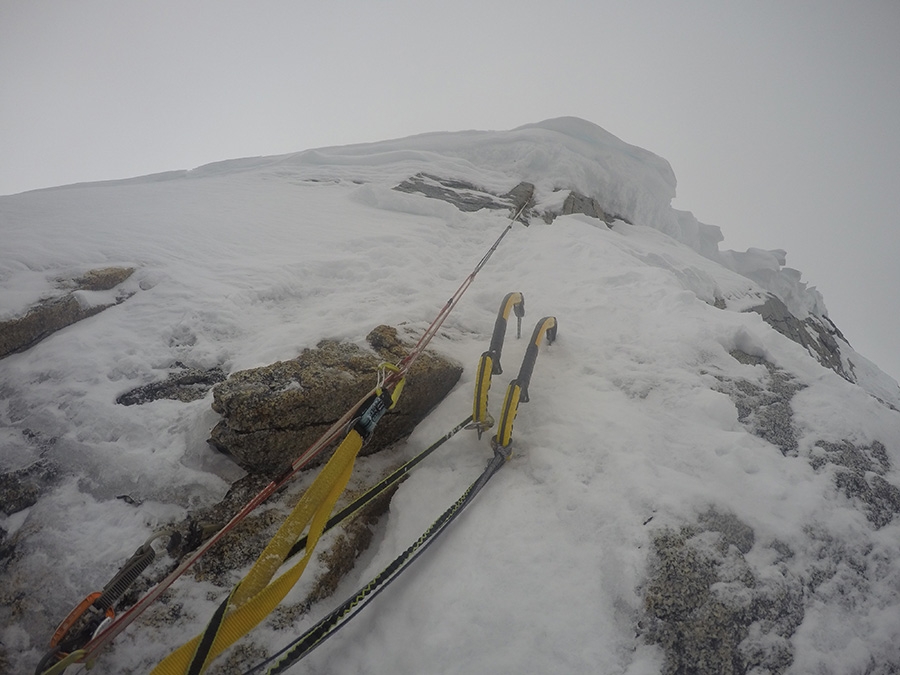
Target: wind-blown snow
{"x": 243, "y": 263}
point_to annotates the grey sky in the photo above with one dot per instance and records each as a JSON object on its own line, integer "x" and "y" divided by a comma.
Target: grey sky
{"x": 781, "y": 119}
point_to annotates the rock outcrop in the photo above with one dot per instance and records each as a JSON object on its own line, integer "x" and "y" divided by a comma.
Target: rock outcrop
{"x": 52, "y": 315}
{"x": 859, "y": 472}
{"x": 575, "y": 202}
{"x": 463, "y": 195}
{"x": 811, "y": 333}
{"x": 270, "y": 414}
{"x": 467, "y": 196}
{"x": 710, "y": 610}
{"x": 103, "y": 279}
{"x": 21, "y": 488}
{"x": 765, "y": 410}
{"x": 187, "y": 384}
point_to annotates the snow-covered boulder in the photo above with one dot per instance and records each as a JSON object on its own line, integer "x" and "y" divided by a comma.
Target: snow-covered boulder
{"x": 85, "y": 299}
{"x": 271, "y": 413}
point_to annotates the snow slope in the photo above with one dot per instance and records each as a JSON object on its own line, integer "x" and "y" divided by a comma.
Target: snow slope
{"x": 628, "y": 430}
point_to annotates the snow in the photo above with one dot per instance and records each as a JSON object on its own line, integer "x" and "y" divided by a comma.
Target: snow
{"x": 243, "y": 263}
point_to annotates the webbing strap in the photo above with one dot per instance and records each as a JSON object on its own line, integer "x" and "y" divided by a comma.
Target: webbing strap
{"x": 382, "y": 486}
{"x": 255, "y": 597}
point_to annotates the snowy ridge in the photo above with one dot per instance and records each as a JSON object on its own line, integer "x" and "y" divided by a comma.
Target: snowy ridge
{"x": 563, "y": 153}
{"x": 662, "y": 402}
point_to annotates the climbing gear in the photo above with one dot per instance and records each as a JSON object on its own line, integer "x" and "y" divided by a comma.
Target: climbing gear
{"x": 517, "y": 391}
{"x": 373, "y": 405}
{"x": 378, "y": 403}
{"x": 93, "y": 613}
{"x": 489, "y": 363}
{"x": 334, "y": 621}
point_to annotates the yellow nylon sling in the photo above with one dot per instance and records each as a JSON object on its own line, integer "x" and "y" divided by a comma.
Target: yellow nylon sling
{"x": 255, "y": 598}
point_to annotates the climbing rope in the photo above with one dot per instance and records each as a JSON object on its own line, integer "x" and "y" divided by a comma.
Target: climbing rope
{"x": 83, "y": 646}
